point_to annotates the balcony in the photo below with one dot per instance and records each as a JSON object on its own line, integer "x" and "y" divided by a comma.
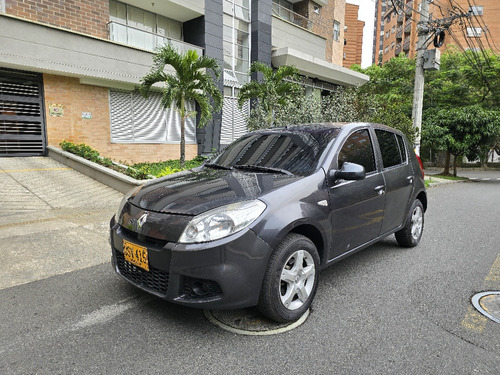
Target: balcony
{"x": 398, "y": 49}
{"x": 406, "y": 45}
{"x": 399, "y": 32}
{"x": 409, "y": 8}
{"x": 407, "y": 27}
{"x": 299, "y": 20}
{"x": 146, "y": 40}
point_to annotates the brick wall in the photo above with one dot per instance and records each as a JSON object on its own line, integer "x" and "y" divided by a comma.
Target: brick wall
{"x": 95, "y": 132}
{"x": 353, "y": 36}
{"x": 85, "y": 16}
{"x": 333, "y": 11}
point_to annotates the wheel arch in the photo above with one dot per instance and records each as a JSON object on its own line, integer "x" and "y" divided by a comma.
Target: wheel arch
{"x": 312, "y": 233}
{"x": 422, "y": 197}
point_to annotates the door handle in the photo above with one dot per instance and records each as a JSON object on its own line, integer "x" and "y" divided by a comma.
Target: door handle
{"x": 380, "y": 189}
{"x": 409, "y": 179}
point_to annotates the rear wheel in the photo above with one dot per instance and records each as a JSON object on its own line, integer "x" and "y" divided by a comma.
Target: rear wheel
{"x": 291, "y": 279}
{"x": 411, "y": 233}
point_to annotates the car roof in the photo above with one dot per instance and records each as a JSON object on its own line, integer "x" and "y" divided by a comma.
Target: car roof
{"x": 325, "y": 126}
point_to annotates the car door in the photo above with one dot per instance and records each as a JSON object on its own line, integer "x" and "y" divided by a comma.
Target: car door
{"x": 398, "y": 176}
{"x": 357, "y": 207}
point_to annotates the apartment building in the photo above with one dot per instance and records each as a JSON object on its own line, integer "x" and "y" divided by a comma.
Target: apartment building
{"x": 353, "y": 36}
{"x": 467, "y": 24}
{"x": 71, "y": 69}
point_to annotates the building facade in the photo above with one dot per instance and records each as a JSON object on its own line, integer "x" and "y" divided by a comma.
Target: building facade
{"x": 353, "y": 36}
{"x": 467, "y": 25}
{"x": 71, "y": 70}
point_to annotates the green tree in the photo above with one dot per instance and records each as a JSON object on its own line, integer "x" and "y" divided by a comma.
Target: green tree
{"x": 388, "y": 97}
{"x": 468, "y": 131}
{"x": 273, "y": 90}
{"x": 464, "y": 78}
{"x": 190, "y": 81}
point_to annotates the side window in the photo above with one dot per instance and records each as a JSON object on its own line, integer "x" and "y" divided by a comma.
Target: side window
{"x": 402, "y": 148}
{"x": 389, "y": 147}
{"x": 358, "y": 149}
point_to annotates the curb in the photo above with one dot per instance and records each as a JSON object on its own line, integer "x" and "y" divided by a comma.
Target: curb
{"x": 109, "y": 177}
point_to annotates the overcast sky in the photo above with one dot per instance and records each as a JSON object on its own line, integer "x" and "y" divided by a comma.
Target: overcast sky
{"x": 367, "y": 14}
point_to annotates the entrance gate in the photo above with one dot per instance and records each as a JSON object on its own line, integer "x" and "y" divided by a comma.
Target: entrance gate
{"x": 22, "y": 117}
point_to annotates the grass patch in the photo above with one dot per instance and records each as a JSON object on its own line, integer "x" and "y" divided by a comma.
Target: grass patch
{"x": 446, "y": 177}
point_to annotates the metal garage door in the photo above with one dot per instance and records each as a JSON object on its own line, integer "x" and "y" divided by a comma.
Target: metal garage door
{"x": 22, "y": 118}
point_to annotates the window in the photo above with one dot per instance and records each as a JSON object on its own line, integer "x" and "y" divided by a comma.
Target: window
{"x": 143, "y": 29}
{"x": 236, "y": 34}
{"x": 358, "y": 149}
{"x": 336, "y": 30}
{"x": 317, "y": 9}
{"x": 476, "y": 10}
{"x": 474, "y": 32}
{"x": 135, "y": 119}
{"x": 391, "y": 147}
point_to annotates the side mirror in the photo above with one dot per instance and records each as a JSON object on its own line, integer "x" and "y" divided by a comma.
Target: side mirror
{"x": 349, "y": 171}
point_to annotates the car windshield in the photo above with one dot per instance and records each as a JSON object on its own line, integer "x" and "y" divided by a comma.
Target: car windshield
{"x": 279, "y": 151}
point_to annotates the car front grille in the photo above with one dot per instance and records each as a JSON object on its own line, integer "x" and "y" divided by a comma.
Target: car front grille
{"x": 155, "y": 280}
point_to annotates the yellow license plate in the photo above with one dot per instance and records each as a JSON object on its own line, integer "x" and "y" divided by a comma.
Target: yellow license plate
{"x": 135, "y": 254}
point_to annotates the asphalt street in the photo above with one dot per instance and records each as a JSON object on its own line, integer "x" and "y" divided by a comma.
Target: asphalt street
{"x": 385, "y": 310}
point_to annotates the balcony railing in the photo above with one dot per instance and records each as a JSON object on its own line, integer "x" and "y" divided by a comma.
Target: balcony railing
{"x": 132, "y": 36}
{"x": 408, "y": 27}
{"x": 299, "y": 20}
{"x": 398, "y": 49}
{"x": 409, "y": 8}
{"x": 406, "y": 45}
{"x": 399, "y": 32}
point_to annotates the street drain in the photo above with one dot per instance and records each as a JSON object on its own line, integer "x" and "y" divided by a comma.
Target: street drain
{"x": 249, "y": 321}
{"x": 488, "y": 304}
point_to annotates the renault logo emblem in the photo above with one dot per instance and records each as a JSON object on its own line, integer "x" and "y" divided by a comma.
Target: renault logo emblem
{"x": 142, "y": 220}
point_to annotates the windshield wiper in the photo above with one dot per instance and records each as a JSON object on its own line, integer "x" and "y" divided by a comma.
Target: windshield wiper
{"x": 259, "y": 168}
{"x": 217, "y": 166}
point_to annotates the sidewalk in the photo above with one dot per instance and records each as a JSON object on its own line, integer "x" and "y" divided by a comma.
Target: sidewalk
{"x": 53, "y": 220}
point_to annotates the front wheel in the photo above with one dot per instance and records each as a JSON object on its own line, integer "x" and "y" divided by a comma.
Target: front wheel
{"x": 411, "y": 233}
{"x": 291, "y": 279}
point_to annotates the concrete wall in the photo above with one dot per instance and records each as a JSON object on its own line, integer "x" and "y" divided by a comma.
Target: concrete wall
{"x": 286, "y": 34}
{"x": 95, "y": 132}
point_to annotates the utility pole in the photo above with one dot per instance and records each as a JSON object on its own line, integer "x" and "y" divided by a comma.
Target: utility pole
{"x": 418, "y": 91}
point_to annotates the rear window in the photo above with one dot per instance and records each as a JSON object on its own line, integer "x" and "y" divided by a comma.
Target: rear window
{"x": 295, "y": 151}
{"x": 391, "y": 147}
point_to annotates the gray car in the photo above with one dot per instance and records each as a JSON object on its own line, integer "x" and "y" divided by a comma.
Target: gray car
{"x": 256, "y": 224}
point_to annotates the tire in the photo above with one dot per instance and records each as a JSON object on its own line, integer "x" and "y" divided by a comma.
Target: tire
{"x": 289, "y": 286}
{"x": 411, "y": 233}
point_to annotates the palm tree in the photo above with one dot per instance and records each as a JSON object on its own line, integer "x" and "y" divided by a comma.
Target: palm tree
{"x": 275, "y": 89}
{"x": 190, "y": 81}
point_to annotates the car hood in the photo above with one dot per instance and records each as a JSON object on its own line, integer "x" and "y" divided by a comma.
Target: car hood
{"x": 199, "y": 191}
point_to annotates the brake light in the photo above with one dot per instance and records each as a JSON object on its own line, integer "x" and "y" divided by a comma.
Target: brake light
{"x": 421, "y": 165}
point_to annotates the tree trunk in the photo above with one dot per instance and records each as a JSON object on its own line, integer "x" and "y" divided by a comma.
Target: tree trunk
{"x": 447, "y": 163}
{"x": 455, "y": 160}
{"x": 182, "y": 159}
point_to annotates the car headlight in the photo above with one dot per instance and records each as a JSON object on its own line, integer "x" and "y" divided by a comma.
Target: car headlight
{"x": 222, "y": 221}
{"x": 126, "y": 197}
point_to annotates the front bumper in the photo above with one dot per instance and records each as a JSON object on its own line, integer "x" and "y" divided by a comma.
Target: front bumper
{"x": 223, "y": 274}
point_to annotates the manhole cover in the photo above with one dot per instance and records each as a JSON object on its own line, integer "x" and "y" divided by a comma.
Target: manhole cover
{"x": 488, "y": 304}
{"x": 250, "y": 322}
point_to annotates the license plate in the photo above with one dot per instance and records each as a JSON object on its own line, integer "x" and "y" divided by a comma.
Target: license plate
{"x": 135, "y": 254}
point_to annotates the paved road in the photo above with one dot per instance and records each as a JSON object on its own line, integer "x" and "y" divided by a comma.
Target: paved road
{"x": 385, "y": 310}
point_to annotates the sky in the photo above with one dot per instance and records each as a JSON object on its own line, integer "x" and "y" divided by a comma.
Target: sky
{"x": 367, "y": 14}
